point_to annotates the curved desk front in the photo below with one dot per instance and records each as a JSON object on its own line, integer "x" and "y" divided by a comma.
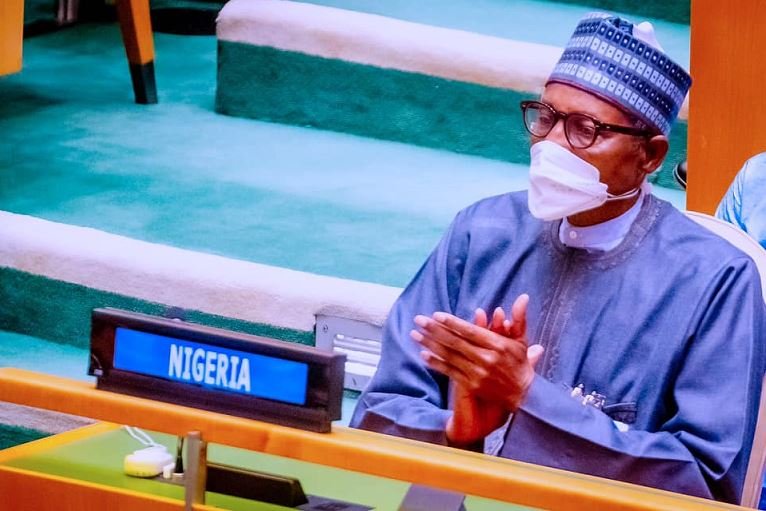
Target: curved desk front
{"x": 82, "y": 469}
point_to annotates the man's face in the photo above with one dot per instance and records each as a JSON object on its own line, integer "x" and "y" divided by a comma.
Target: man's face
{"x": 618, "y": 157}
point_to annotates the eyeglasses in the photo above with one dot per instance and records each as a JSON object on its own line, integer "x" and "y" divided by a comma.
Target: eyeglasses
{"x": 581, "y": 130}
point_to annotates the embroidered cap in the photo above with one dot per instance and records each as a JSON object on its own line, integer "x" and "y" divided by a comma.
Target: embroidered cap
{"x": 623, "y": 64}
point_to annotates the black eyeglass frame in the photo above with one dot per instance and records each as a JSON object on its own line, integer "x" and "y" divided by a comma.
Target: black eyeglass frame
{"x": 599, "y": 125}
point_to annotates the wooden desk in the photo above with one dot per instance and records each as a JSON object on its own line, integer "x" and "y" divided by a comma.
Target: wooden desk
{"x": 90, "y": 460}
{"x": 508, "y": 482}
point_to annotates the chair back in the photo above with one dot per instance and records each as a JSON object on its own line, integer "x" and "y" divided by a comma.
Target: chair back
{"x": 751, "y": 493}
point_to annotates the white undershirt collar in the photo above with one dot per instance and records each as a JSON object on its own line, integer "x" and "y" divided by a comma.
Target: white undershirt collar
{"x": 604, "y": 236}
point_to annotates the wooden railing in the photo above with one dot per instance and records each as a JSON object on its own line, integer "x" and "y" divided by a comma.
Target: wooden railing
{"x": 360, "y": 451}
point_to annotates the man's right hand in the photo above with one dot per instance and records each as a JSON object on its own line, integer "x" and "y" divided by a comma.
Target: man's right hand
{"x": 474, "y": 418}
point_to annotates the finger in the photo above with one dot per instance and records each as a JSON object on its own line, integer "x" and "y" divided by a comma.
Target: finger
{"x": 433, "y": 331}
{"x": 438, "y": 364}
{"x": 534, "y": 354}
{"x": 477, "y": 346}
{"x": 461, "y": 329}
{"x": 498, "y": 318}
{"x": 519, "y": 316}
{"x": 480, "y": 318}
{"x": 453, "y": 351}
{"x": 481, "y": 349}
{"x": 439, "y": 339}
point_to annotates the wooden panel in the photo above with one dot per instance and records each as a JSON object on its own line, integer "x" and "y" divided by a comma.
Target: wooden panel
{"x": 727, "y": 114}
{"x": 11, "y": 32}
{"x": 360, "y": 451}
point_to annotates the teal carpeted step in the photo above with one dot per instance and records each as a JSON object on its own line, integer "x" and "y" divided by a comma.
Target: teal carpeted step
{"x": 331, "y": 94}
{"x": 368, "y": 90}
{"x": 177, "y": 173}
{"x": 294, "y": 88}
{"x": 76, "y": 149}
{"x": 15, "y": 435}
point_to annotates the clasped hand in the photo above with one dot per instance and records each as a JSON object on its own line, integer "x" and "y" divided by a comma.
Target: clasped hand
{"x": 490, "y": 364}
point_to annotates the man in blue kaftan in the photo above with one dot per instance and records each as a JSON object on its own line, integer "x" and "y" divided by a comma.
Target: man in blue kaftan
{"x": 744, "y": 203}
{"x": 632, "y": 348}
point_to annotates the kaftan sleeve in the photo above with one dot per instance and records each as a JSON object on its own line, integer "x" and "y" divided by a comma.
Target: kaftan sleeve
{"x": 703, "y": 446}
{"x": 405, "y": 398}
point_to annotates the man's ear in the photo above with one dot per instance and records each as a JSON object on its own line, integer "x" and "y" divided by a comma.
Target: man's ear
{"x": 655, "y": 150}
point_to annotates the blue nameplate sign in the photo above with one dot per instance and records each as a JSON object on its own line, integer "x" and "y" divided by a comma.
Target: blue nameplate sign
{"x": 215, "y": 369}
{"x": 210, "y": 366}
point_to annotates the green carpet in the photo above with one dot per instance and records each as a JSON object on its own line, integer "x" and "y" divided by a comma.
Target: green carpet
{"x": 15, "y": 435}
{"x": 75, "y": 149}
{"x": 387, "y": 104}
{"x": 294, "y": 88}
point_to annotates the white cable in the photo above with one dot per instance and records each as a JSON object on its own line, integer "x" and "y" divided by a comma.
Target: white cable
{"x": 141, "y": 436}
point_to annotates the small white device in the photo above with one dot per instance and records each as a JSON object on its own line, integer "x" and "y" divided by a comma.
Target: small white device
{"x": 150, "y": 461}
{"x": 147, "y": 462}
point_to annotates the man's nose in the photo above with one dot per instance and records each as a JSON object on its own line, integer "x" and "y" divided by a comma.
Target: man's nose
{"x": 558, "y": 134}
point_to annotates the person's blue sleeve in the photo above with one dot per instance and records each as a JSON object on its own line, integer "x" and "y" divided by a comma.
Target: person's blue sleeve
{"x": 703, "y": 447}
{"x": 744, "y": 203}
{"x": 405, "y": 398}
{"x": 730, "y": 207}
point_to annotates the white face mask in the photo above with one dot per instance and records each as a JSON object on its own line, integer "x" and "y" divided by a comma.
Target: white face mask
{"x": 561, "y": 184}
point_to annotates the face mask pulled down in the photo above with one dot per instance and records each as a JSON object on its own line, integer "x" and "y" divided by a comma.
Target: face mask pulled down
{"x": 562, "y": 184}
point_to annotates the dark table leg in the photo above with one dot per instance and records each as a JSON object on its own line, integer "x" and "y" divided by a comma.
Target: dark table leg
{"x": 136, "y": 27}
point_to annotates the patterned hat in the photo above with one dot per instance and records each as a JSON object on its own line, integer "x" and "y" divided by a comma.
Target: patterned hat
{"x": 622, "y": 63}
